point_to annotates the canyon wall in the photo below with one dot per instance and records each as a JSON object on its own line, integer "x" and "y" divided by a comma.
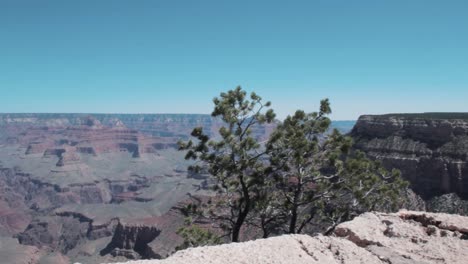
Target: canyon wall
{"x": 160, "y": 125}
{"x": 431, "y": 149}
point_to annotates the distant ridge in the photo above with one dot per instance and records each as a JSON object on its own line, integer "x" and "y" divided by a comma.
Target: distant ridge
{"x": 430, "y": 115}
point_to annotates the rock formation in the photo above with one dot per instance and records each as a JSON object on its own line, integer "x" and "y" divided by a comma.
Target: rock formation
{"x": 153, "y": 237}
{"x": 56, "y": 233}
{"x": 410, "y": 237}
{"x": 406, "y": 238}
{"x": 431, "y": 149}
{"x": 131, "y": 241}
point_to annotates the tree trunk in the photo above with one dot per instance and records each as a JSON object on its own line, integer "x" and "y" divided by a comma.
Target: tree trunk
{"x": 264, "y": 228}
{"x": 243, "y": 211}
{"x": 239, "y": 222}
{"x": 293, "y": 222}
{"x": 295, "y": 205}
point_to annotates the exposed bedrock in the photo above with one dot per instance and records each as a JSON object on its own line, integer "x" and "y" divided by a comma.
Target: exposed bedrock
{"x": 92, "y": 193}
{"x": 431, "y": 150}
{"x": 14, "y": 213}
{"x": 127, "y": 190}
{"x": 406, "y": 238}
{"x": 49, "y": 232}
{"x": 64, "y": 231}
{"x": 34, "y": 193}
{"x": 68, "y": 158}
{"x": 410, "y": 237}
{"x": 68, "y": 142}
{"x": 41, "y": 195}
{"x": 26, "y": 211}
{"x": 131, "y": 241}
{"x": 153, "y": 237}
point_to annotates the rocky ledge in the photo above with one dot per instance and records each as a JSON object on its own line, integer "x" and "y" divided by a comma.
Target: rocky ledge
{"x": 404, "y": 237}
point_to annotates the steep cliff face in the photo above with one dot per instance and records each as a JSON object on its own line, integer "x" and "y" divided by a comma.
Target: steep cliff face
{"x": 131, "y": 241}
{"x": 431, "y": 150}
{"x": 152, "y": 237}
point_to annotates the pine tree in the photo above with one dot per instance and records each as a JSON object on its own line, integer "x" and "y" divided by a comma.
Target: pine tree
{"x": 235, "y": 160}
{"x": 303, "y": 175}
{"x": 315, "y": 174}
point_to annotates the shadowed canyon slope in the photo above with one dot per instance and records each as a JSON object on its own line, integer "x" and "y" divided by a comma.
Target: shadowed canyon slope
{"x": 431, "y": 149}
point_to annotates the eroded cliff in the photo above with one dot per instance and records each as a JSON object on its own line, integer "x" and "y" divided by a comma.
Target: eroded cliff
{"x": 431, "y": 149}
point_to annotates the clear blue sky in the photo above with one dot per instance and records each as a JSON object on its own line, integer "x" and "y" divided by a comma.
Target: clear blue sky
{"x": 368, "y": 57}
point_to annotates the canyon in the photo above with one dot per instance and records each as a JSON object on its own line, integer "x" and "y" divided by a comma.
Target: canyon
{"x": 117, "y": 183}
{"x": 96, "y": 187}
{"x": 70, "y": 181}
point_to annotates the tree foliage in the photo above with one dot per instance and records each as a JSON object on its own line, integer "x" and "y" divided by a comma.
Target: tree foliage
{"x": 196, "y": 236}
{"x": 318, "y": 175}
{"x": 303, "y": 174}
{"x": 234, "y": 160}
{"x": 299, "y": 154}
